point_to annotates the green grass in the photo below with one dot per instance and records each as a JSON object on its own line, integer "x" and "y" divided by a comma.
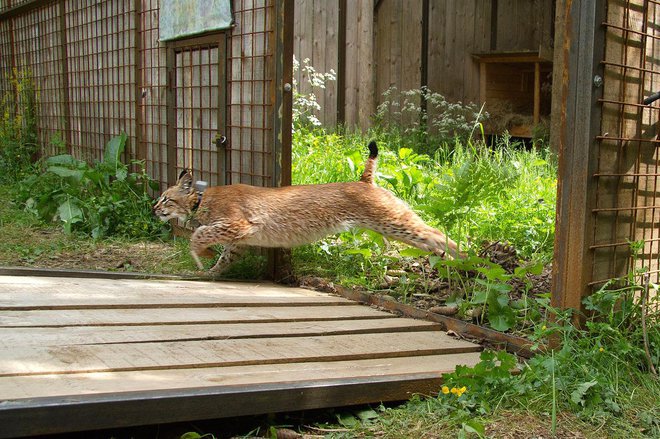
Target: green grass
{"x": 472, "y": 192}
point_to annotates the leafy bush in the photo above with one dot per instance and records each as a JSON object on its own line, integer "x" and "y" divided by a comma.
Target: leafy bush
{"x": 100, "y": 200}
{"x": 18, "y": 128}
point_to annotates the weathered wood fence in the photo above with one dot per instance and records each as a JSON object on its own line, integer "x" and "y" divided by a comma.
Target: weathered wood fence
{"x": 407, "y": 44}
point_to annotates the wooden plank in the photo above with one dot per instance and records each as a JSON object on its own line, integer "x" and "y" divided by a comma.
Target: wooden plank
{"x": 57, "y": 415}
{"x": 36, "y": 360}
{"x": 42, "y": 293}
{"x": 47, "y": 285}
{"x": 41, "y": 386}
{"x": 85, "y": 335}
{"x": 168, "y": 316}
{"x": 579, "y": 116}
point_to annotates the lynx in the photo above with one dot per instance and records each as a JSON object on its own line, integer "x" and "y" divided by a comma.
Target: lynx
{"x": 238, "y": 216}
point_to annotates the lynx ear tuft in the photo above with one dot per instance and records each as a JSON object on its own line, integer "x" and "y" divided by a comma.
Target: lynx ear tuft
{"x": 185, "y": 180}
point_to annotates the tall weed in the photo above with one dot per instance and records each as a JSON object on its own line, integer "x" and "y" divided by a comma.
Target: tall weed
{"x": 18, "y": 128}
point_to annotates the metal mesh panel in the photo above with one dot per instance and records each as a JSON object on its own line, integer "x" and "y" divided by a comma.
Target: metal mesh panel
{"x": 627, "y": 169}
{"x": 101, "y": 66}
{"x": 197, "y": 96}
{"x": 8, "y": 4}
{"x": 40, "y": 58}
{"x": 153, "y": 93}
{"x": 101, "y": 69}
{"x": 251, "y": 94}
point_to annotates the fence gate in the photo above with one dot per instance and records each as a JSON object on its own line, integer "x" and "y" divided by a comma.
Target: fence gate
{"x": 197, "y": 108}
{"x": 608, "y": 61}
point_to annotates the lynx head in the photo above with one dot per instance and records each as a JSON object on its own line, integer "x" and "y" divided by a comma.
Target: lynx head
{"x": 177, "y": 201}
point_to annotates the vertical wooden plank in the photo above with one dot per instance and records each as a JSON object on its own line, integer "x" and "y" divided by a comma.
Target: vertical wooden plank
{"x": 222, "y": 113}
{"x": 330, "y": 50}
{"x": 365, "y": 65}
{"x": 341, "y": 64}
{"x": 581, "y": 42}
{"x": 170, "y": 103}
{"x": 64, "y": 60}
{"x": 352, "y": 53}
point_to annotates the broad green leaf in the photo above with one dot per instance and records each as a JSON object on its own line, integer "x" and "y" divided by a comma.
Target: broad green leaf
{"x": 501, "y": 319}
{"x": 76, "y": 174}
{"x": 474, "y": 426}
{"x": 404, "y": 153}
{"x": 113, "y": 150}
{"x": 412, "y": 252}
{"x": 121, "y": 173}
{"x": 63, "y": 159}
{"x": 479, "y": 297}
{"x": 365, "y": 252}
{"x": 347, "y": 420}
{"x": 69, "y": 213}
{"x": 366, "y": 414}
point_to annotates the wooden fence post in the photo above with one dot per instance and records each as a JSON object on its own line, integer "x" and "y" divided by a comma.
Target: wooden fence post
{"x": 579, "y": 48}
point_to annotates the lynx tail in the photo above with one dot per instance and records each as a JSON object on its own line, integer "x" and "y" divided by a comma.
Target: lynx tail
{"x": 370, "y": 165}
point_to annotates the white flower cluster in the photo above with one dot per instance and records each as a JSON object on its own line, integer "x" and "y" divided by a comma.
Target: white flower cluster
{"x": 305, "y": 105}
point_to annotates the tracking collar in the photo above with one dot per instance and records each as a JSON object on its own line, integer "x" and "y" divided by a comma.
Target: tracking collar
{"x": 200, "y": 187}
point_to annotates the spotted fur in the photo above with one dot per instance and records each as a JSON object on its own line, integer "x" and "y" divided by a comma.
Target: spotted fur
{"x": 238, "y": 216}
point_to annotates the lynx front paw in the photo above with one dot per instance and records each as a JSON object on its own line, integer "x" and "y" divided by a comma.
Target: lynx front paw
{"x": 197, "y": 261}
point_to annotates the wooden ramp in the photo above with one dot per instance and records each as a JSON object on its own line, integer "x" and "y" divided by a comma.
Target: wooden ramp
{"x": 80, "y": 354}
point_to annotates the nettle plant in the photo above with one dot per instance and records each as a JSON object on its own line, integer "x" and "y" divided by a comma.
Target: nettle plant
{"x": 305, "y": 103}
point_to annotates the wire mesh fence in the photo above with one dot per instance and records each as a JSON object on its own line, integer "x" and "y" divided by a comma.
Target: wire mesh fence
{"x": 99, "y": 69}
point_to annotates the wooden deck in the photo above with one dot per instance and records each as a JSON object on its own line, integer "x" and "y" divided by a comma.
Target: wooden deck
{"x": 80, "y": 354}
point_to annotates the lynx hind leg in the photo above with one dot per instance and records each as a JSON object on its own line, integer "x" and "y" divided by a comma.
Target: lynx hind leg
{"x": 412, "y": 230}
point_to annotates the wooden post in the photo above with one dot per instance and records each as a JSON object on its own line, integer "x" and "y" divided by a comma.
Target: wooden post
{"x": 537, "y": 92}
{"x": 279, "y": 261}
{"x": 483, "y": 82}
{"x": 64, "y": 54}
{"x": 579, "y": 44}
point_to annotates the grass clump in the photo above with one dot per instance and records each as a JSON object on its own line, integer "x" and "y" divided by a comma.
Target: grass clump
{"x": 596, "y": 382}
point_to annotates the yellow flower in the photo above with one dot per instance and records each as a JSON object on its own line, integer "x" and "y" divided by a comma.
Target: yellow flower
{"x": 543, "y": 328}
{"x": 454, "y": 390}
{"x": 445, "y": 390}
{"x": 602, "y": 349}
{"x": 460, "y": 391}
